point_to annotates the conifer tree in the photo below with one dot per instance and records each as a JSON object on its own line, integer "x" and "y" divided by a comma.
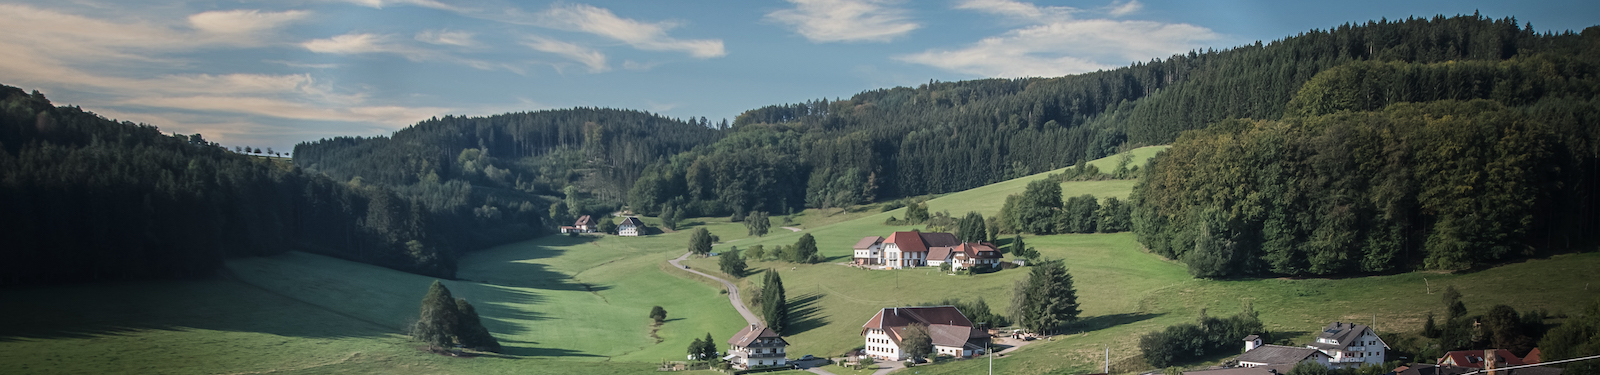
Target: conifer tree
{"x": 439, "y": 319}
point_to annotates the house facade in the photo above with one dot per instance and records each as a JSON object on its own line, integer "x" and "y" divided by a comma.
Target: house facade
{"x": 1350, "y": 345}
{"x": 757, "y": 346}
{"x": 868, "y": 251}
{"x": 965, "y": 255}
{"x": 951, "y": 331}
{"x": 630, "y": 227}
{"x": 583, "y": 225}
{"x": 910, "y": 249}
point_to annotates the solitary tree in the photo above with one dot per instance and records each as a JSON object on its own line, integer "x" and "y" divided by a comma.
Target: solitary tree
{"x": 917, "y": 342}
{"x": 773, "y": 300}
{"x": 472, "y": 333}
{"x": 439, "y": 318}
{"x": 658, "y": 314}
{"x": 700, "y": 241}
{"x": 1046, "y": 299}
{"x": 731, "y": 263}
{"x": 757, "y": 223}
{"x": 805, "y": 250}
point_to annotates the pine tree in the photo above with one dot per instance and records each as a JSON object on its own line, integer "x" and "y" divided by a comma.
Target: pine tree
{"x": 773, "y": 301}
{"x": 472, "y": 333}
{"x": 439, "y": 319}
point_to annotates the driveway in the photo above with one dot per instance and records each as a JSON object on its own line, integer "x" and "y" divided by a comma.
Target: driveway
{"x": 733, "y": 291}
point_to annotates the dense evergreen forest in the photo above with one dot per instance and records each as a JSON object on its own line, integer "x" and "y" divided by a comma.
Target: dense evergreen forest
{"x": 1390, "y": 166}
{"x": 84, "y": 198}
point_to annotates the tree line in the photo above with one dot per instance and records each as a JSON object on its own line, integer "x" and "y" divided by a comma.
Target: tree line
{"x": 91, "y": 199}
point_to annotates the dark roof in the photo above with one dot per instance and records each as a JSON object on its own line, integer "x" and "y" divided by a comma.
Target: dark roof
{"x": 1251, "y": 338}
{"x": 750, "y": 333}
{"x": 1259, "y": 370}
{"x": 933, "y": 239}
{"x": 1278, "y": 354}
{"x": 867, "y": 242}
{"x": 890, "y": 318}
{"x": 1342, "y": 333}
{"x": 634, "y": 221}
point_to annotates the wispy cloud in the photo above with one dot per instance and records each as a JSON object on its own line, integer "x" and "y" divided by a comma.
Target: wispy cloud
{"x": 1119, "y": 9}
{"x": 447, "y": 37}
{"x": 1050, "y": 42}
{"x": 650, "y": 36}
{"x": 593, "y": 59}
{"x": 243, "y": 21}
{"x": 422, "y": 3}
{"x": 360, "y": 43}
{"x": 824, "y": 21}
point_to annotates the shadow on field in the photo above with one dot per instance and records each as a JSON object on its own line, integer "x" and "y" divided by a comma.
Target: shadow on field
{"x": 509, "y": 266}
{"x": 99, "y": 310}
{"x": 804, "y": 314}
{"x": 527, "y": 349}
{"x": 1099, "y": 322}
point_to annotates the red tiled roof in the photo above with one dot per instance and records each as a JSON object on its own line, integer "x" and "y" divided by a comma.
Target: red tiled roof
{"x": 940, "y": 253}
{"x": 582, "y": 221}
{"x": 1533, "y": 357}
{"x": 1474, "y": 358}
{"x": 908, "y": 242}
{"x": 750, "y": 333}
{"x": 867, "y": 242}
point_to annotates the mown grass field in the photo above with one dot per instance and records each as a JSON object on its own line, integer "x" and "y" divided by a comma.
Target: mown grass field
{"x": 566, "y": 305}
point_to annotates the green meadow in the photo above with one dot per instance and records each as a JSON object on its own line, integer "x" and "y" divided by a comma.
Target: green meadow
{"x": 570, "y": 305}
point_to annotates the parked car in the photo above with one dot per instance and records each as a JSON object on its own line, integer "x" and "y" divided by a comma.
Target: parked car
{"x": 807, "y": 357}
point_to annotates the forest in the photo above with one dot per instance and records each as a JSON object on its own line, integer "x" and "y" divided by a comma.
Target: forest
{"x": 86, "y": 199}
{"x": 1443, "y": 142}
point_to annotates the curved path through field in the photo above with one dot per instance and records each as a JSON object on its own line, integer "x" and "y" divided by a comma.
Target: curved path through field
{"x": 733, "y": 291}
{"x": 791, "y": 229}
{"x": 733, "y": 298}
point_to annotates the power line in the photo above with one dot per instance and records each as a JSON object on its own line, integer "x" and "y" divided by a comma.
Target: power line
{"x": 1536, "y": 364}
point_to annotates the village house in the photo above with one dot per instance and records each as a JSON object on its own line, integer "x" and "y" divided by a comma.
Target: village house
{"x": 869, "y": 251}
{"x": 965, "y": 255}
{"x": 1477, "y": 358}
{"x": 910, "y": 249}
{"x": 583, "y": 225}
{"x": 756, "y": 346}
{"x": 951, "y": 331}
{"x": 1350, "y": 345}
{"x": 630, "y": 227}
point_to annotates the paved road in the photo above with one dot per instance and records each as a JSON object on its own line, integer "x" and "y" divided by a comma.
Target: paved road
{"x": 733, "y": 291}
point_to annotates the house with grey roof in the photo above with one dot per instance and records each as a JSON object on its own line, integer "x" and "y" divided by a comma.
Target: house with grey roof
{"x": 1350, "y": 345}
{"x": 1266, "y": 355}
{"x": 630, "y": 227}
{"x": 757, "y": 346}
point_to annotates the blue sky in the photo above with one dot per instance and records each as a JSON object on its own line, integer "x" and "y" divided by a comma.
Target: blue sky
{"x": 275, "y": 73}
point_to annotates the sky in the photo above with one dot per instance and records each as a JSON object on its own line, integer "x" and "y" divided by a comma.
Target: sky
{"x": 276, "y": 73}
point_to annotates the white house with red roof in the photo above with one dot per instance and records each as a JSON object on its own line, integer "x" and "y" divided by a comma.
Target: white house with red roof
{"x": 910, "y": 249}
{"x": 868, "y": 251}
{"x": 917, "y": 249}
{"x": 757, "y": 346}
{"x": 965, "y": 255}
{"x": 951, "y": 331}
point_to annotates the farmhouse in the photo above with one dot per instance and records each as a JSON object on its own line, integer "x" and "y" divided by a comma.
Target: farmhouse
{"x": 1477, "y": 358}
{"x": 951, "y": 331}
{"x": 583, "y": 225}
{"x": 965, "y": 255}
{"x": 631, "y": 227}
{"x": 910, "y": 249}
{"x": 869, "y": 251}
{"x": 756, "y": 346}
{"x": 1350, "y": 345}
{"x": 1270, "y": 355}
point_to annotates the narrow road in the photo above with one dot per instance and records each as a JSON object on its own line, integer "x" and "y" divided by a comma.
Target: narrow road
{"x": 733, "y": 298}
{"x": 791, "y": 229}
{"x": 733, "y": 291}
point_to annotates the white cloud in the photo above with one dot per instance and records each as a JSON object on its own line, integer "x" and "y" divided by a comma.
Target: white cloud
{"x": 243, "y": 21}
{"x": 595, "y": 60}
{"x": 1018, "y": 9}
{"x": 823, "y": 21}
{"x": 642, "y": 35}
{"x": 1055, "y": 45}
{"x": 379, "y": 4}
{"x": 359, "y": 43}
{"x": 447, "y": 37}
{"x": 1123, "y": 9}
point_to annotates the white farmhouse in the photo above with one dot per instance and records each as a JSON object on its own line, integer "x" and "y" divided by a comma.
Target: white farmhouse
{"x": 951, "y": 331}
{"x": 869, "y": 251}
{"x": 1350, "y": 345}
{"x": 910, "y": 249}
{"x": 757, "y": 346}
{"x": 631, "y": 227}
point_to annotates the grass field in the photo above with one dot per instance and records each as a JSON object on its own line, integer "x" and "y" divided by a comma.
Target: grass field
{"x": 566, "y": 305}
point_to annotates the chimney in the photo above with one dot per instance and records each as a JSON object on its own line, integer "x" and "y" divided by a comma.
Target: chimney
{"x": 1490, "y": 362}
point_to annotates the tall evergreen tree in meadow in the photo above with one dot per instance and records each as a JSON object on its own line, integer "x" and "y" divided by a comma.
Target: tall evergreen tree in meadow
{"x": 439, "y": 318}
{"x": 1046, "y": 299}
{"x": 472, "y": 333}
{"x": 773, "y": 301}
{"x": 972, "y": 228}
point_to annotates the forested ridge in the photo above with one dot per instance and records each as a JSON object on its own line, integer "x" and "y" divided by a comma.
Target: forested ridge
{"x": 1390, "y": 166}
{"x": 84, "y": 198}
